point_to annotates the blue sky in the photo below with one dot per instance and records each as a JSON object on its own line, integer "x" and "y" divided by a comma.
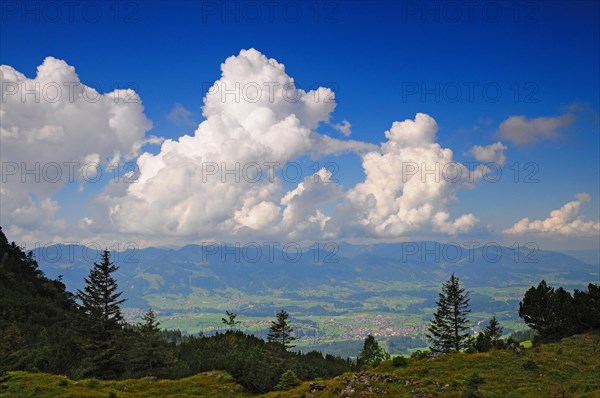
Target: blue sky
{"x": 540, "y": 59}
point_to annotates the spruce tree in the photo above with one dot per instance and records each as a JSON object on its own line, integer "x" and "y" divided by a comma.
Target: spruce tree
{"x": 447, "y": 329}
{"x": 483, "y": 342}
{"x": 287, "y": 380}
{"x": 99, "y": 298}
{"x": 150, "y": 325}
{"x": 150, "y": 354}
{"x": 281, "y": 330}
{"x": 494, "y": 331}
{"x": 101, "y": 321}
{"x": 439, "y": 328}
{"x": 372, "y": 353}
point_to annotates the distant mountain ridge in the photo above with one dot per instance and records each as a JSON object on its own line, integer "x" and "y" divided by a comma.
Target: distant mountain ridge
{"x": 157, "y": 270}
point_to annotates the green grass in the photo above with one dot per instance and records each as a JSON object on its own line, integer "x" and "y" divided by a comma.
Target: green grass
{"x": 40, "y": 385}
{"x": 569, "y": 368}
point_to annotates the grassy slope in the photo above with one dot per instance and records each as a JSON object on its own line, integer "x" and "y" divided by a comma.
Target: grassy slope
{"x": 40, "y": 385}
{"x": 572, "y": 365}
{"x": 570, "y": 368}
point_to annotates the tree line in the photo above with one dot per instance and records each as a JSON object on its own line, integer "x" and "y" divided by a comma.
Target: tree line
{"x": 551, "y": 313}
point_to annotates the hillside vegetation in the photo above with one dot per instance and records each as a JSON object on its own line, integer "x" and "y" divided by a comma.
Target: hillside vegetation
{"x": 569, "y": 368}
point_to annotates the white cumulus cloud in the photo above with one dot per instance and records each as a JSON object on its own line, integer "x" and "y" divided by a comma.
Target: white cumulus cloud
{"x": 255, "y": 117}
{"x": 398, "y": 196}
{"x": 51, "y": 125}
{"x": 566, "y": 221}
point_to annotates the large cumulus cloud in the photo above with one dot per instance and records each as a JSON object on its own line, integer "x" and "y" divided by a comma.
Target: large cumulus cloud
{"x": 256, "y": 118}
{"x": 563, "y": 222}
{"x": 52, "y": 125}
{"x": 398, "y": 195}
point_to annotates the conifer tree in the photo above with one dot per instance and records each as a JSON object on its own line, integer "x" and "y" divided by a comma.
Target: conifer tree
{"x": 439, "y": 329}
{"x": 372, "y": 353}
{"x": 150, "y": 355}
{"x": 281, "y": 330}
{"x": 494, "y": 331}
{"x": 447, "y": 329}
{"x": 99, "y": 298}
{"x": 483, "y": 342}
{"x": 548, "y": 311}
{"x": 587, "y": 307}
{"x": 287, "y": 380}
{"x": 101, "y": 321}
{"x": 150, "y": 326}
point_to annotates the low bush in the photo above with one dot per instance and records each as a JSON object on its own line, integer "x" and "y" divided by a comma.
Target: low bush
{"x": 418, "y": 354}
{"x": 399, "y": 362}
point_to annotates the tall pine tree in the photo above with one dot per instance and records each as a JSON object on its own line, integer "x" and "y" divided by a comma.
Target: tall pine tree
{"x": 281, "y": 330}
{"x": 101, "y": 321}
{"x": 447, "y": 329}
